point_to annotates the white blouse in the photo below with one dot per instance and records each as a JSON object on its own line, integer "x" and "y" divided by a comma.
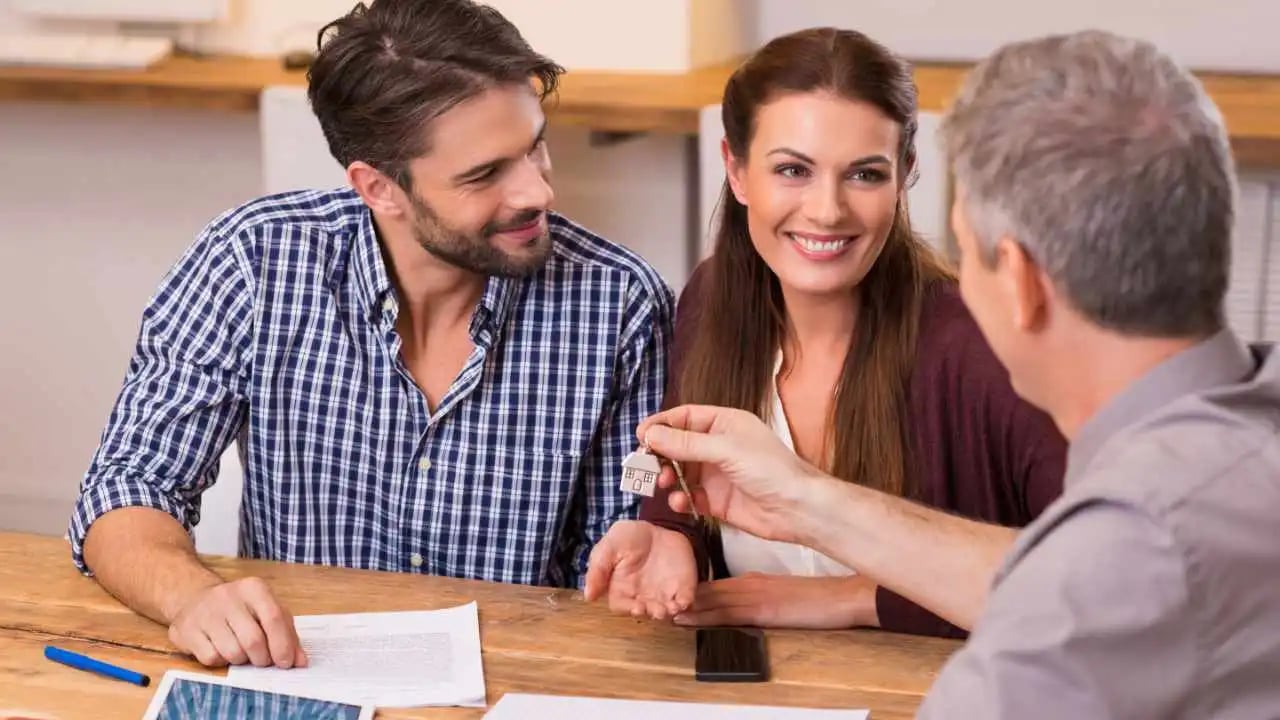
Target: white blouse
{"x": 746, "y": 553}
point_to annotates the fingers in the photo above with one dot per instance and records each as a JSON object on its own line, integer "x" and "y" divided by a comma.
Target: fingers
{"x": 682, "y": 601}
{"x": 688, "y": 446}
{"x": 667, "y": 478}
{"x": 281, "y": 636}
{"x": 657, "y": 610}
{"x": 236, "y": 623}
{"x": 719, "y": 603}
{"x": 224, "y": 641}
{"x": 600, "y": 569}
{"x": 680, "y": 502}
{"x": 196, "y": 643}
{"x": 698, "y": 418}
{"x": 624, "y": 603}
{"x": 712, "y": 617}
{"x": 249, "y": 636}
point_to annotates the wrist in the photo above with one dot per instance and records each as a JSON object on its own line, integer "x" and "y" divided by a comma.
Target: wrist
{"x": 868, "y": 610}
{"x": 855, "y": 602}
{"x": 181, "y": 597}
{"x": 818, "y": 513}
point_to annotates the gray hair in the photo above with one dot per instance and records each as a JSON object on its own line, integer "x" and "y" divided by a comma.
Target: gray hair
{"x": 1110, "y": 166}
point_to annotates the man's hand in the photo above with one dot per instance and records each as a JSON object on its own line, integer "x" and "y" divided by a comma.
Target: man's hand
{"x": 236, "y": 623}
{"x": 738, "y": 470}
{"x": 785, "y": 601}
{"x": 644, "y": 569}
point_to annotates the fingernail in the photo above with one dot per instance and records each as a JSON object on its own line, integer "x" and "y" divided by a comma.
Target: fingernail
{"x": 681, "y": 620}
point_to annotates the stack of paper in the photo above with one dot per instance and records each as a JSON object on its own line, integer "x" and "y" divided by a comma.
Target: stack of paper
{"x": 395, "y": 659}
{"x": 516, "y": 706}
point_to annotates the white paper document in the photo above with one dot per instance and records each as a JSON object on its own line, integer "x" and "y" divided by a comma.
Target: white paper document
{"x": 517, "y": 706}
{"x": 393, "y": 659}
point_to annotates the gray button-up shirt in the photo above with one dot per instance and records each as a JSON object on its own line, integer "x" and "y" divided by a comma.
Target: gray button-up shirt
{"x": 1151, "y": 588}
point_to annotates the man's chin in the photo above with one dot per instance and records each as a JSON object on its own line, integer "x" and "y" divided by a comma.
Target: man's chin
{"x": 524, "y": 261}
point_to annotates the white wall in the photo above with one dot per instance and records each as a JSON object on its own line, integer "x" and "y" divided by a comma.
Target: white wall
{"x": 97, "y": 203}
{"x": 1231, "y": 34}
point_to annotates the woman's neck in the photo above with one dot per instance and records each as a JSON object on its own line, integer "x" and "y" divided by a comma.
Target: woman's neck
{"x": 818, "y": 326}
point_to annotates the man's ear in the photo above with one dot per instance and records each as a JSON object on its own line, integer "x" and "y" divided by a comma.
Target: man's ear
{"x": 382, "y": 194}
{"x": 733, "y": 171}
{"x": 1026, "y": 286}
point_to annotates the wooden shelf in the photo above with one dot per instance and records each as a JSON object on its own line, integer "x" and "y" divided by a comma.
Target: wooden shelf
{"x": 612, "y": 102}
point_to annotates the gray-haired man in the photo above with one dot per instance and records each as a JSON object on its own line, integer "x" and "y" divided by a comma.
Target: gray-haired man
{"x": 1093, "y": 213}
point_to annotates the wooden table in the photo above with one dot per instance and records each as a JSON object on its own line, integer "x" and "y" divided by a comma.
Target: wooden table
{"x": 612, "y": 102}
{"x": 534, "y": 639}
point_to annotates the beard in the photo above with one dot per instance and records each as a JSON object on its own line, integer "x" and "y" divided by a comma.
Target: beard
{"x": 477, "y": 253}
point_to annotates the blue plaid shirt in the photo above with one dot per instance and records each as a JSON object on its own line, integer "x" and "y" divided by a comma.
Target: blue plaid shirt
{"x": 277, "y": 329}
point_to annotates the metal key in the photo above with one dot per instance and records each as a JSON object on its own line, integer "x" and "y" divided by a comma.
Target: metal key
{"x": 685, "y": 487}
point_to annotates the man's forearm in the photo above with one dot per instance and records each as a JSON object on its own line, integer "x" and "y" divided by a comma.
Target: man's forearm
{"x": 145, "y": 559}
{"x": 939, "y": 561}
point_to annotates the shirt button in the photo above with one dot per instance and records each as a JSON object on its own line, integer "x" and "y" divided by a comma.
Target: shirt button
{"x": 388, "y": 304}
{"x": 424, "y": 464}
{"x": 415, "y": 560}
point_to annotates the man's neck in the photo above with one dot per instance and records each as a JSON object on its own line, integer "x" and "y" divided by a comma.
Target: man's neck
{"x": 434, "y": 294}
{"x": 1100, "y": 368}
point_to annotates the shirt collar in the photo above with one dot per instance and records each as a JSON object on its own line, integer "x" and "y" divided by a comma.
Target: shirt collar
{"x": 495, "y": 305}
{"x": 1220, "y": 360}
{"x": 371, "y": 268}
{"x": 376, "y": 289}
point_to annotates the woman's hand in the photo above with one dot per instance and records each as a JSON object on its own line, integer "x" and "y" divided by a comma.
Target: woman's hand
{"x": 785, "y": 601}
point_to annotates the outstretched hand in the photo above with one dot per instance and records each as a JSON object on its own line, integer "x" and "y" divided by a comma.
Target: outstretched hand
{"x": 737, "y": 470}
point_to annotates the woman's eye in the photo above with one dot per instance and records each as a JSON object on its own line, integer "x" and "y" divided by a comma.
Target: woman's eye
{"x": 868, "y": 175}
{"x": 792, "y": 172}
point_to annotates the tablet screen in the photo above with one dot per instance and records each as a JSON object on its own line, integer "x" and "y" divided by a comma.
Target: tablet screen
{"x": 188, "y": 698}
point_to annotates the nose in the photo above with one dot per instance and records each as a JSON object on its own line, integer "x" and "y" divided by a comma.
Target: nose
{"x": 531, "y": 186}
{"x": 824, "y": 204}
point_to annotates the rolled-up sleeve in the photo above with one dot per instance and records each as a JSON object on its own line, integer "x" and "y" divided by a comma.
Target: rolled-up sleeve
{"x": 1092, "y": 622}
{"x": 184, "y": 393}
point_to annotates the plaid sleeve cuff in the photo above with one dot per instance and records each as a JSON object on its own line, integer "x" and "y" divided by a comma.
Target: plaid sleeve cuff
{"x": 112, "y": 493}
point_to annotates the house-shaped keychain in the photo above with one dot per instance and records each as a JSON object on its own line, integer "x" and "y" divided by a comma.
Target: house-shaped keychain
{"x": 640, "y": 473}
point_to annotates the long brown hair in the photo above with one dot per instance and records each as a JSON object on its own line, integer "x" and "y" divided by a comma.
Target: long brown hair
{"x": 730, "y": 362}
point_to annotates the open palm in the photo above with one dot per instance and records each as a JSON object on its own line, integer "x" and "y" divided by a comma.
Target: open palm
{"x": 643, "y": 569}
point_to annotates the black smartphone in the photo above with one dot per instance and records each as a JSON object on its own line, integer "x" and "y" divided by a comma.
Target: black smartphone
{"x": 731, "y": 654}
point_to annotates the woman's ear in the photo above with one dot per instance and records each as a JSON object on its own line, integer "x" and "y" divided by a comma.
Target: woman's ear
{"x": 733, "y": 171}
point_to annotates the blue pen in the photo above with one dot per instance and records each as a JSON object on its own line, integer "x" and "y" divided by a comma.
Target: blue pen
{"x": 81, "y": 662}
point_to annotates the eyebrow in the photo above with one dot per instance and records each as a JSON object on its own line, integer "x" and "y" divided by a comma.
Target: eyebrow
{"x": 485, "y": 167}
{"x": 860, "y": 162}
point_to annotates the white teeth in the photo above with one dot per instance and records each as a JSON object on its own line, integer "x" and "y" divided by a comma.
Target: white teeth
{"x": 820, "y": 246}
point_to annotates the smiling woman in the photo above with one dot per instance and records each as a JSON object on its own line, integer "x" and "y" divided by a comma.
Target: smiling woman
{"x": 822, "y": 312}
{"x": 815, "y": 242}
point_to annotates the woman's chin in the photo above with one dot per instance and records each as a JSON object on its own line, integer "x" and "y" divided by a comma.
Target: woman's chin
{"x": 818, "y": 281}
